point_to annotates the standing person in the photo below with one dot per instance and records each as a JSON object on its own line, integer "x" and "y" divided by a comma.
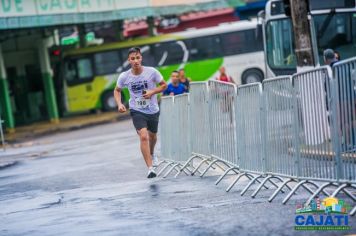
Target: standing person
{"x": 184, "y": 80}
{"x": 224, "y": 77}
{"x": 329, "y": 57}
{"x": 141, "y": 82}
{"x": 175, "y": 87}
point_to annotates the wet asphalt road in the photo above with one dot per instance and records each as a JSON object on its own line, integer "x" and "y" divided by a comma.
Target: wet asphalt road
{"x": 93, "y": 182}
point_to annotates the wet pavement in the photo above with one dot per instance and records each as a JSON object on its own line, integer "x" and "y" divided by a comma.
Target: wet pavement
{"x": 93, "y": 182}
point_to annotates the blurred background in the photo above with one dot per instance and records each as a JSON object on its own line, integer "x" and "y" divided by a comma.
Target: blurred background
{"x": 62, "y": 58}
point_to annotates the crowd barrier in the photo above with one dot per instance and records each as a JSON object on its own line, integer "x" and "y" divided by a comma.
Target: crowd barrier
{"x": 288, "y": 132}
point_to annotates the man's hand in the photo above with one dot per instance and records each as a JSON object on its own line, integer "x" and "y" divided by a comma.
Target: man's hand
{"x": 149, "y": 94}
{"x": 121, "y": 108}
{"x": 171, "y": 94}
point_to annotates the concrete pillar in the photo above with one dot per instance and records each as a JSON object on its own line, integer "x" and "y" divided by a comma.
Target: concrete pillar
{"x": 6, "y": 109}
{"x": 151, "y": 26}
{"x": 47, "y": 77}
{"x": 81, "y": 34}
{"x": 119, "y": 30}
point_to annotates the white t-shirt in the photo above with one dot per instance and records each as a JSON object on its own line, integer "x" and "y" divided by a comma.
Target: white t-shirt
{"x": 136, "y": 84}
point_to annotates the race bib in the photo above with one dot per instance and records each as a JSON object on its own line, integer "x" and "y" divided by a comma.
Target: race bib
{"x": 142, "y": 103}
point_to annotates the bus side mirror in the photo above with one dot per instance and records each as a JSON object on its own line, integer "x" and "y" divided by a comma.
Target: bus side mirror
{"x": 258, "y": 33}
{"x": 260, "y": 18}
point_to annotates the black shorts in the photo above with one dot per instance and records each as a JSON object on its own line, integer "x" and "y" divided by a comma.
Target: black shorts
{"x": 141, "y": 120}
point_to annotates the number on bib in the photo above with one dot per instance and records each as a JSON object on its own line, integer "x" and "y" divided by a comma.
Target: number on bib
{"x": 142, "y": 103}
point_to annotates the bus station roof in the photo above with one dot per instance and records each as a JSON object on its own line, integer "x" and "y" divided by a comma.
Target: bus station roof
{"x": 17, "y": 14}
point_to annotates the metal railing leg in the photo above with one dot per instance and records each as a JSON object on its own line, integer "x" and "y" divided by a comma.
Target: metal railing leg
{"x": 318, "y": 191}
{"x": 353, "y": 211}
{"x": 250, "y": 184}
{"x": 171, "y": 169}
{"x": 199, "y": 165}
{"x": 234, "y": 182}
{"x": 261, "y": 185}
{"x": 209, "y": 166}
{"x": 285, "y": 183}
{"x": 225, "y": 173}
{"x": 164, "y": 168}
{"x": 187, "y": 163}
{"x": 301, "y": 183}
{"x": 341, "y": 188}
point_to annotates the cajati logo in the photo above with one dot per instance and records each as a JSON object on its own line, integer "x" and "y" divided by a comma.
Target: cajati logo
{"x": 327, "y": 214}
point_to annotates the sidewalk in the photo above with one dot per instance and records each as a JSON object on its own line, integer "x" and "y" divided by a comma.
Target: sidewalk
{"x": 24, "y": 133}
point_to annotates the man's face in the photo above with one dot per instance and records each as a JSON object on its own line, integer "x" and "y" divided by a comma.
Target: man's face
{"x": 175, "y": 78}
{"x": 135, "y": 60}
{"x": 222, "y": 70}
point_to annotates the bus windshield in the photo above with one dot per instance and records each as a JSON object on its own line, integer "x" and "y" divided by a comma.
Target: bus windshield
{"x": 336, "y": 31}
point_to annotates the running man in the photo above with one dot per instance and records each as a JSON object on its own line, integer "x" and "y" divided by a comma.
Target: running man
{"x": 141, "y": 82}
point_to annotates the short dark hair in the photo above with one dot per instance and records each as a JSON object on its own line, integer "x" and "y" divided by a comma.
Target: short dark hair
{"x": 181, "y": 69}
{"x": 134, "y": 50}
{"x": 175, "y": 71}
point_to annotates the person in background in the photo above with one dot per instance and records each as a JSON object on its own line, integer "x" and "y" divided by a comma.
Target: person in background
{"x": 175, "y": 87}
{"x": 337, "y": 55}
{"x": 329, "y": 57}
{"x": 184, "y": 80}
{"x": 224, "y": 77}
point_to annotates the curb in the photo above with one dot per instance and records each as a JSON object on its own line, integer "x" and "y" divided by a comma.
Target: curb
{"x": 66, "y": 129}
{"x": 8, "y": 164}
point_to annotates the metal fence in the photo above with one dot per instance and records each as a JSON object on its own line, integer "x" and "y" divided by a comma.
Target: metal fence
{"x": 299, "y": 128}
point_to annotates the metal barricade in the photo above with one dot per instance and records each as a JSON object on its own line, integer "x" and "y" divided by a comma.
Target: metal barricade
{"x": 199, "y": 123}
{"x": 281, "y": 127}
{"x": 249, "y": 128}
{"x": 175, "y": 132}
{"x": 345, "y": 89}
{"x": 199, "y": 113}
{"x": 249, "y": 132}
{"x": 222, "y": 98}
{"x": 316, "y": 135}
{"x": 166, "y": 121}
{"x": 181, "y": 129}
{"x": 315, "y": 116}
{"x": 280, "y": 138}
{"x": 298, "y": 129}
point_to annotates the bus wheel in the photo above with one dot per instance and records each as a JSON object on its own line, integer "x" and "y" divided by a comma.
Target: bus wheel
{"x": 252, "y": 76}
{"x": 108, "y": 101}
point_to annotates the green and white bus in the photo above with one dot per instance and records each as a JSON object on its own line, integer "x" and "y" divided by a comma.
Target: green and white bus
{"x": 332, "y": 25}
{"x": 90, "y": 74}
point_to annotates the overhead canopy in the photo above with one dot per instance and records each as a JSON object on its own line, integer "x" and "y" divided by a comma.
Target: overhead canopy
{"x": 15, "y": 14}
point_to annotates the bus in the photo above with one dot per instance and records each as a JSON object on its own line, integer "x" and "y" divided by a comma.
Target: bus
{"x": 332, "y": 25}
{"x": 90, "y": 74}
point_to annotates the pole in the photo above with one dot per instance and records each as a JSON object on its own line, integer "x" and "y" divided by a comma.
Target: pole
{"x": 302, "y": 34}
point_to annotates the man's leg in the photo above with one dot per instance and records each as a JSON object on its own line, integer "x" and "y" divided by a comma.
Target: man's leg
{"x": 145, "y": 146}
{"x": 153, "y": 141}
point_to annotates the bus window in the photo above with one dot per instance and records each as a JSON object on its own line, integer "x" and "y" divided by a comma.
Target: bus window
{"x": 240, "y": 42}
{"x": 337, "y": 31}
{"x": 70, "y": 71}
{"x": 78, "y": 70}
{"x": 203, "y": 48}
{"x": 169, "y": 53}
{"x": 107, "y": 62}
{"x": 280, "y": 44}
{"x": 85, "y": 69}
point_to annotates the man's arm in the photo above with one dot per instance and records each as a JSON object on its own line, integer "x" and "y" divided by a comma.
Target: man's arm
{"x": 117, "y": 94}
{"x": 162, "y": 86}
